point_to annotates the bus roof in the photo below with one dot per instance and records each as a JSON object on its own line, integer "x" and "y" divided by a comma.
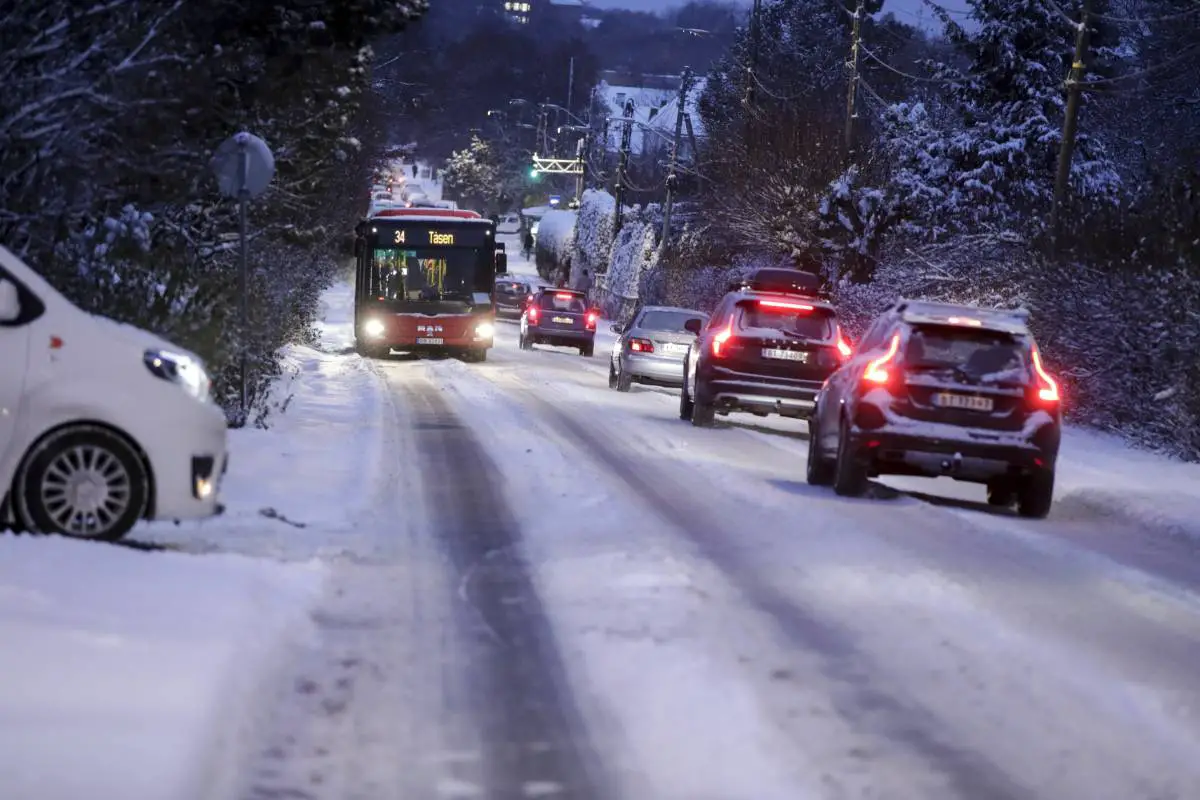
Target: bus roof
{"x": 438, "y": 214}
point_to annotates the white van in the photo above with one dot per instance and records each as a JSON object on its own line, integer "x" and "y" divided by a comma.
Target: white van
{"x": 101, "y": 424}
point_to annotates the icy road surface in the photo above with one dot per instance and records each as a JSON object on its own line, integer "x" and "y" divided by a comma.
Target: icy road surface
{"x": 562, "y": 591}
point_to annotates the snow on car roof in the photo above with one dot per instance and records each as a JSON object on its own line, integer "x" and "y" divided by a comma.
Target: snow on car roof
{"x": 927, "y": 312}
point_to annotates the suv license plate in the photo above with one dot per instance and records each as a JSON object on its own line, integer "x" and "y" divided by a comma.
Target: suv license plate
{"x": 785, "y": 355}
{"x": 967, "y": 401}
{"x": 429, "y": 341}
{"x": 563, "y": 320}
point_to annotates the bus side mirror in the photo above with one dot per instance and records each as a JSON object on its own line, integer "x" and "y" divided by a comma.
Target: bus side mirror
{"x": 501, "y": 246}
{"x": 501, "y": 263}
{"x": 693, "y": 326}
{"x": 359, "y": 247}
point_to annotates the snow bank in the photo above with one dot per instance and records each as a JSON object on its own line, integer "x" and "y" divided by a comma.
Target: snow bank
{"x": 131, "y": 674}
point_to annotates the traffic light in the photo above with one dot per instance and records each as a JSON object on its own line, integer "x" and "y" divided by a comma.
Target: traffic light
{"x": 534, "y": 174}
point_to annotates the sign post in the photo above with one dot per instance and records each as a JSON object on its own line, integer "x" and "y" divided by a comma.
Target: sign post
{"x": 244, "y": 167}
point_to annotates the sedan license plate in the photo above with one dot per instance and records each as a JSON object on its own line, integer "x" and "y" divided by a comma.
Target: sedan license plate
{"x": 785, "y": 355}
{"x": 429, "y": 341}
{"x": 563, "y": 320}
{"x": 675, "y": 349}
{"x": 967, "y": 401}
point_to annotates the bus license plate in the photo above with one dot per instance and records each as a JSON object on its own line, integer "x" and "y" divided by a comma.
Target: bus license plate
{"x": 967, "y": 401}
{"x": 785, "y": 355}
{"x": 564, "y": 320}
{"x": 429, "y": 341}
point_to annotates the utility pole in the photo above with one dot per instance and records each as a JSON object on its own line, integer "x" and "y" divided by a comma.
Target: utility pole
{"x": 581, "y": 154}
{"x": 571, "y": 85}
{"x": 684, "y": 87}
{"x": 852, "y": 91}
{"x": 622, "y": 164}
{"x": 1070, "y": 122}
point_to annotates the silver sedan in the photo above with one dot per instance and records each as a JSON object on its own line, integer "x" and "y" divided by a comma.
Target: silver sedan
{"x": 652, "y": 347}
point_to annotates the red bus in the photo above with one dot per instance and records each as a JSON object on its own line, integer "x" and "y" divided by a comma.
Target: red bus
{"x": 425, "y": 282}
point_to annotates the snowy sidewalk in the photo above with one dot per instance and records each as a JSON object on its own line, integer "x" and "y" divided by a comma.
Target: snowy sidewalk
{"x": 139, "y": 674}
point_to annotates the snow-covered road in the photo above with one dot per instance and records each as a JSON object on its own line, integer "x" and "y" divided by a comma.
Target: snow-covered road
{"x": 571, "y": 593}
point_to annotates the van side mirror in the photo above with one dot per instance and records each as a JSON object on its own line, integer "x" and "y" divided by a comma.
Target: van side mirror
{"x": 10, "y": 301}
{"x": 693, "y": 326}
{"x": 359, "y": 248}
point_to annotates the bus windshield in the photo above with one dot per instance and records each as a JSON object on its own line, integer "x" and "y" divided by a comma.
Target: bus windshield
{"x": 424, "y": 276}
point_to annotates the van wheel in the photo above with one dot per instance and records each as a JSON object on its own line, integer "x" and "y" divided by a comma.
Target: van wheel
{"x": 1035, "y": 494}
{"x": 85, "y": 482}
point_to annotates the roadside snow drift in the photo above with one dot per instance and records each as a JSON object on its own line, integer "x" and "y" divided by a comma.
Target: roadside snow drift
{"x": 129, "y": 674}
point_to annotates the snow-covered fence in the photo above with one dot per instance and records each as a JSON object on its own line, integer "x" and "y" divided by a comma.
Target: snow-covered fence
{"x": 555, "y": 242}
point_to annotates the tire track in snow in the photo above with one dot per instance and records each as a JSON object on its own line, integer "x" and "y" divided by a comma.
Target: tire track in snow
{"x": 967, "y": 773}
{"x": 534, "y": 742}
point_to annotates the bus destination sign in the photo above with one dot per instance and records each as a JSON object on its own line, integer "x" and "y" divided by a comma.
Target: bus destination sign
{"x": 446, "y": 236}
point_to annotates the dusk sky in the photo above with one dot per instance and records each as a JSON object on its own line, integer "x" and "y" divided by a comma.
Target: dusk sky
{"x": 912, "y": 11}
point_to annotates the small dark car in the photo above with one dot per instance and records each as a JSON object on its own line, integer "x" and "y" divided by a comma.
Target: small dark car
{"x": 559, "y": 317}
{"x": 512, "y": 294}
{"x": 942, "y": 390}
{"x": 767, "y": 349}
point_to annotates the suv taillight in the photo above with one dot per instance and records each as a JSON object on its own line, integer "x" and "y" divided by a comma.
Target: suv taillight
{"x": 533, "y": 313}
{"x": 879, "y": 370}
{"x": 590, "y": 322}
{"x": 721, "y": 339}
{"x": 844, "y": 350}
{"x": 1047, "y": 388}
{"x": 641, "y": 346}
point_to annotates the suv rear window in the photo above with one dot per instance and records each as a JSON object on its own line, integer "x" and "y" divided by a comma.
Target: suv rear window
{"x": 572, "y": 305}
{"x": 815, "y": 324}
{"x": 975, "y": 352}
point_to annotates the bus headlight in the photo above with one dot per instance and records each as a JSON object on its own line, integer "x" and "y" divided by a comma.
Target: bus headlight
{"x": 373, "y": 327}
{"x": 485, "y": 330}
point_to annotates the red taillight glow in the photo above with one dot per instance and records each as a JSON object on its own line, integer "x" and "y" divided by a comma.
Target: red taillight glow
{"x": 564, "y": 296}
{"x": 533, "y": 313}
{"x": 843, "y": 347}
{"x": 876, "y": 371}
{"x": 783, "y": 306}
{"x": 720, "y": 339}
{"x": 1048, "y": 391}
{"x": 641, "y": 346}
{"x": 592, "y": 317}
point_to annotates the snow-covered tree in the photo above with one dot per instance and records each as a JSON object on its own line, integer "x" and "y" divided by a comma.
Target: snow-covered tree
{"x": 471, "y": 174}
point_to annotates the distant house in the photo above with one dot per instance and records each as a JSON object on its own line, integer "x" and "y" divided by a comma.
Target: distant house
{"x": 663, "y": 124}
{"x": 649, "y": 94}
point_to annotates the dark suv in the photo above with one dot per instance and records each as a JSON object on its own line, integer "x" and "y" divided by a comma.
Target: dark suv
{"x": 512, "y": 294}
{"x": 559, "y": 317}
{"x": 942, "y": 390}
{"x": 767, "y": 349}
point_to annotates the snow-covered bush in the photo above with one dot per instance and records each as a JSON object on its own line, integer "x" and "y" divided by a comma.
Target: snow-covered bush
{"x": 594, "y": 232}
{"x": 634, "y": 254}
{"x": 555, "y": 242}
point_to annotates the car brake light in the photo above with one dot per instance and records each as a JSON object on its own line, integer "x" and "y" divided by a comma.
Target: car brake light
{"x": 564, "y": 296}
{"x": 784, "y": 306}
{"x": 591, "y": 319}
{"x": 876, "y": 371}
{"x": 721, "y": 338}
{"x": 533, "y": 313}
{"x": 1048, "y": 390}
{"x": 641, "y": 346}
{"x": 843, "y": 347}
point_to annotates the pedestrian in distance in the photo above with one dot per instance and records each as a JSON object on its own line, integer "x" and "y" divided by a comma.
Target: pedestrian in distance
{"x": 414, "y": 169}
{"x": 528, "y": 244}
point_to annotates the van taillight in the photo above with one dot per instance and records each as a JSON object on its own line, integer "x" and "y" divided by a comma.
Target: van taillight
{"x": 721, "y": 339}
{"x": 1047, "y": 390}
{"x": 877, "y": 371}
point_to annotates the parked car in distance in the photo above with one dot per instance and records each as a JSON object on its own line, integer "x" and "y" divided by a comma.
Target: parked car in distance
{"x": 764, "y": 351}
{"x": 652, "y": 347}
{"x": 513, "y": 292}
{"x": 101, "y": 424}
{"x": 509, "y": 223}
{"x": 559, "y": 317}
{"x": 942, "y": 390}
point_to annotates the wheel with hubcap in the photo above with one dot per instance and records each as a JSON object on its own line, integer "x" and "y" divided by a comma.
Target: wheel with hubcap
{"x": 86, "y": 482}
